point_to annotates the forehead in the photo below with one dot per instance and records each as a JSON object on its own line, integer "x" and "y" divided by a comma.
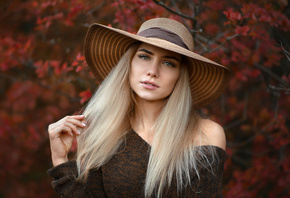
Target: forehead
{"x": 159, "y": 50}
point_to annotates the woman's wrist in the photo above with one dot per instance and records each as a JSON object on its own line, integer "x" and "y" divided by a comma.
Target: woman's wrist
{"x": 58, "y": 161}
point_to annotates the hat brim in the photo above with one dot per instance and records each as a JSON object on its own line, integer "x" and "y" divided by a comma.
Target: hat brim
{"x": 104, "y": 46}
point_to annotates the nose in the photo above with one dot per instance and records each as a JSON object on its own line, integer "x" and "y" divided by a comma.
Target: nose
{"x": 153, "y": 70}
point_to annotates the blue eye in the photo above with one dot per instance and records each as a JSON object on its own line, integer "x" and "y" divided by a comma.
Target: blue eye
{"x": 144, "y": 57}
{"x": 169, "y": 64}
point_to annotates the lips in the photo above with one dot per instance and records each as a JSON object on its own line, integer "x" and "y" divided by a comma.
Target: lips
{"x": 149, "y": 83}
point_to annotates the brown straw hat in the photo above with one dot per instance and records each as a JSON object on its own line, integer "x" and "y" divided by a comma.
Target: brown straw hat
{"x": 104, "y": 46}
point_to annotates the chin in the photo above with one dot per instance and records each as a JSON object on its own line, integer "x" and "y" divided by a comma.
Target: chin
{"x": 152, "y": 98}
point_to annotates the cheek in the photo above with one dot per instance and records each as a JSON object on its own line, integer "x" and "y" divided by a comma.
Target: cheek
{"x": 137, "y": 70}
{"x": 171, "y": 83}
{"x": 173, "y": 79}
{"x": 133, "y": 67}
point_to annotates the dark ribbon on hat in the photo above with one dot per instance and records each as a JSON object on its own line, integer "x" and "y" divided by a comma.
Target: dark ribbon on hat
{"x": 165, "y": 34}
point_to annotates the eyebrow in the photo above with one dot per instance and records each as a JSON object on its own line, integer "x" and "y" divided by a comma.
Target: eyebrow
{"x": 151, "y": 53}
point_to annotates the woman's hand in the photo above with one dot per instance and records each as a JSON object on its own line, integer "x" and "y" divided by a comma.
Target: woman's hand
{"x": 61, "y": 136}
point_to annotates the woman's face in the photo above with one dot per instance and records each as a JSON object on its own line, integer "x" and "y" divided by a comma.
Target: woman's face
{"x": 154, "y": 72}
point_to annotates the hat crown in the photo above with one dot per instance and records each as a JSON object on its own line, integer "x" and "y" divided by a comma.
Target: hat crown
{"x": 172, "y": 26}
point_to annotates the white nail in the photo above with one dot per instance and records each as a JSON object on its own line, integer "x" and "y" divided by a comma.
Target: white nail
{"x": 79, "y": 132}
{"x": 83, "y": 124}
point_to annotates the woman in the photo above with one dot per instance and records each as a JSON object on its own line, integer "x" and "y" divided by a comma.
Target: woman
{"x": 140, "y": 135}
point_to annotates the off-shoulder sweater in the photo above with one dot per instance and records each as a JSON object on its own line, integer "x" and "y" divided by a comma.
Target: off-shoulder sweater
{"x": 124, "y": 175}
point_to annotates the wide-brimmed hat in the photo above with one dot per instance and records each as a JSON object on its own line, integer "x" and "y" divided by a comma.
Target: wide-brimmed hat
{"x": 104, "y": 46}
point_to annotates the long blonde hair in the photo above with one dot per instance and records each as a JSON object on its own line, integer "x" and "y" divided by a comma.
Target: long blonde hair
{"x": 173, "y": 151}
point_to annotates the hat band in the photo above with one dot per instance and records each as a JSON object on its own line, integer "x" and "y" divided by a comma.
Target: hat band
{"x": 163, "y": 34}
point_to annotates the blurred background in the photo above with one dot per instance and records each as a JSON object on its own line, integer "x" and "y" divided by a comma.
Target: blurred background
{"x": 43, "y": 77}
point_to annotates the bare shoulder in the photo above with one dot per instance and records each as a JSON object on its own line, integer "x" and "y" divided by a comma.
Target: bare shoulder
{"x": 214, "y": 132}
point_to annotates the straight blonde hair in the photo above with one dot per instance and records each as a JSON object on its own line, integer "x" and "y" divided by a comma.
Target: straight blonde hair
{"x": 174, "y": 151}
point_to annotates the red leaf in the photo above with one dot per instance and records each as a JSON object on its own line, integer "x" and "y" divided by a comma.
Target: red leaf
{"x": 85, "y": 96}
{"x": 241, "y": 76}
{"x": 233, "y": 16}
{"x": 255, "y": 73}
{"x": 242, "y": 30}
{"x": 74, "y": 64}
{"x": 56, "y": 66}
{"x": 79, "y": 68}
{"x": 80, "y": 57}
{"x": 41, "y": 68}
{"x": 236, "y": 57}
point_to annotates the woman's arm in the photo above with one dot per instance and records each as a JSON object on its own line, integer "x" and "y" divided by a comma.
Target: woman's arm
{"x": 64, "y": 172}
{"x": 61, "y": 136}
{"x": 211, "y": 176}
{"x": 65, "y": 182}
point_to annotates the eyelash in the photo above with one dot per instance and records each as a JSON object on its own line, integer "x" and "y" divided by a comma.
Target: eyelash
{"x": 144, "y": 57}
{"x": 167, "y": 63}
{"x": 170, "y": 64}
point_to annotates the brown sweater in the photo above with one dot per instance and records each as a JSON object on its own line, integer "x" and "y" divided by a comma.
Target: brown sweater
{"x": 124, "y": 175}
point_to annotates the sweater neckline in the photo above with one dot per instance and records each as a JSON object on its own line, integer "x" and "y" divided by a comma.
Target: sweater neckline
{"x": 139, "y": 137}
{"x": 201, "y": 146}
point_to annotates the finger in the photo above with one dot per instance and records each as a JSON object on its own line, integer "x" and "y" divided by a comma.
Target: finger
{"x": 56, "y": 129}
{"x": 73, "y": 120}
{"x": 74, "y": 128}
{"x": 77, "y": 123}
{"x": 78, "y": 117}
{"x": 68, "y": 130}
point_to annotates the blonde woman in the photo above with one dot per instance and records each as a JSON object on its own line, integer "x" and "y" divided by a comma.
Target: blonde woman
{"x": 140, "y": 135}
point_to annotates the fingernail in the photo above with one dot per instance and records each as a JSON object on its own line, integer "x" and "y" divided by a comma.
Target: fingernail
{"x": 71, "y": 134}
{"x": 79, "y": 132}
{"x": 83, "y": 124}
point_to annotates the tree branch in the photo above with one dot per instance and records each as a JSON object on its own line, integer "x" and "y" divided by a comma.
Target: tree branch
{"x": 99, "y": 6}
{"x": 287, "y": 54}
{"x": 201, "y": 40}
{"x": 177, "y": 9}
{"x": 222, "y": 44}
{"x": 285, "y": 90}
{"x": 270, "y": 73}
{"x": 243, "y": 119}
{"x": 173, "y": 11}
{"x": 250, "y": 139}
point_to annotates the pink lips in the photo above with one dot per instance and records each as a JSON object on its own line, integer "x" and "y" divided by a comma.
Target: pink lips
{"x": 149, "y": 85}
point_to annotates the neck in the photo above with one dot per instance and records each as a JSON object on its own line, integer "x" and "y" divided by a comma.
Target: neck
{"x": 146, "y": 114}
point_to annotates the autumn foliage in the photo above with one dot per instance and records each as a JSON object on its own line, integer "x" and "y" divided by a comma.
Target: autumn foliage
{"x": 44, "y": 77}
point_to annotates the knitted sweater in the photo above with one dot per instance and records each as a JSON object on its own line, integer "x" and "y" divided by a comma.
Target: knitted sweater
{"x": 124, "y": 175}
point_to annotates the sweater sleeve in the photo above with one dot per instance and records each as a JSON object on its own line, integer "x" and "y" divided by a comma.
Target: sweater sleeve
{"x": 210, "y": 182}
{"x": 65, "y": 183}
